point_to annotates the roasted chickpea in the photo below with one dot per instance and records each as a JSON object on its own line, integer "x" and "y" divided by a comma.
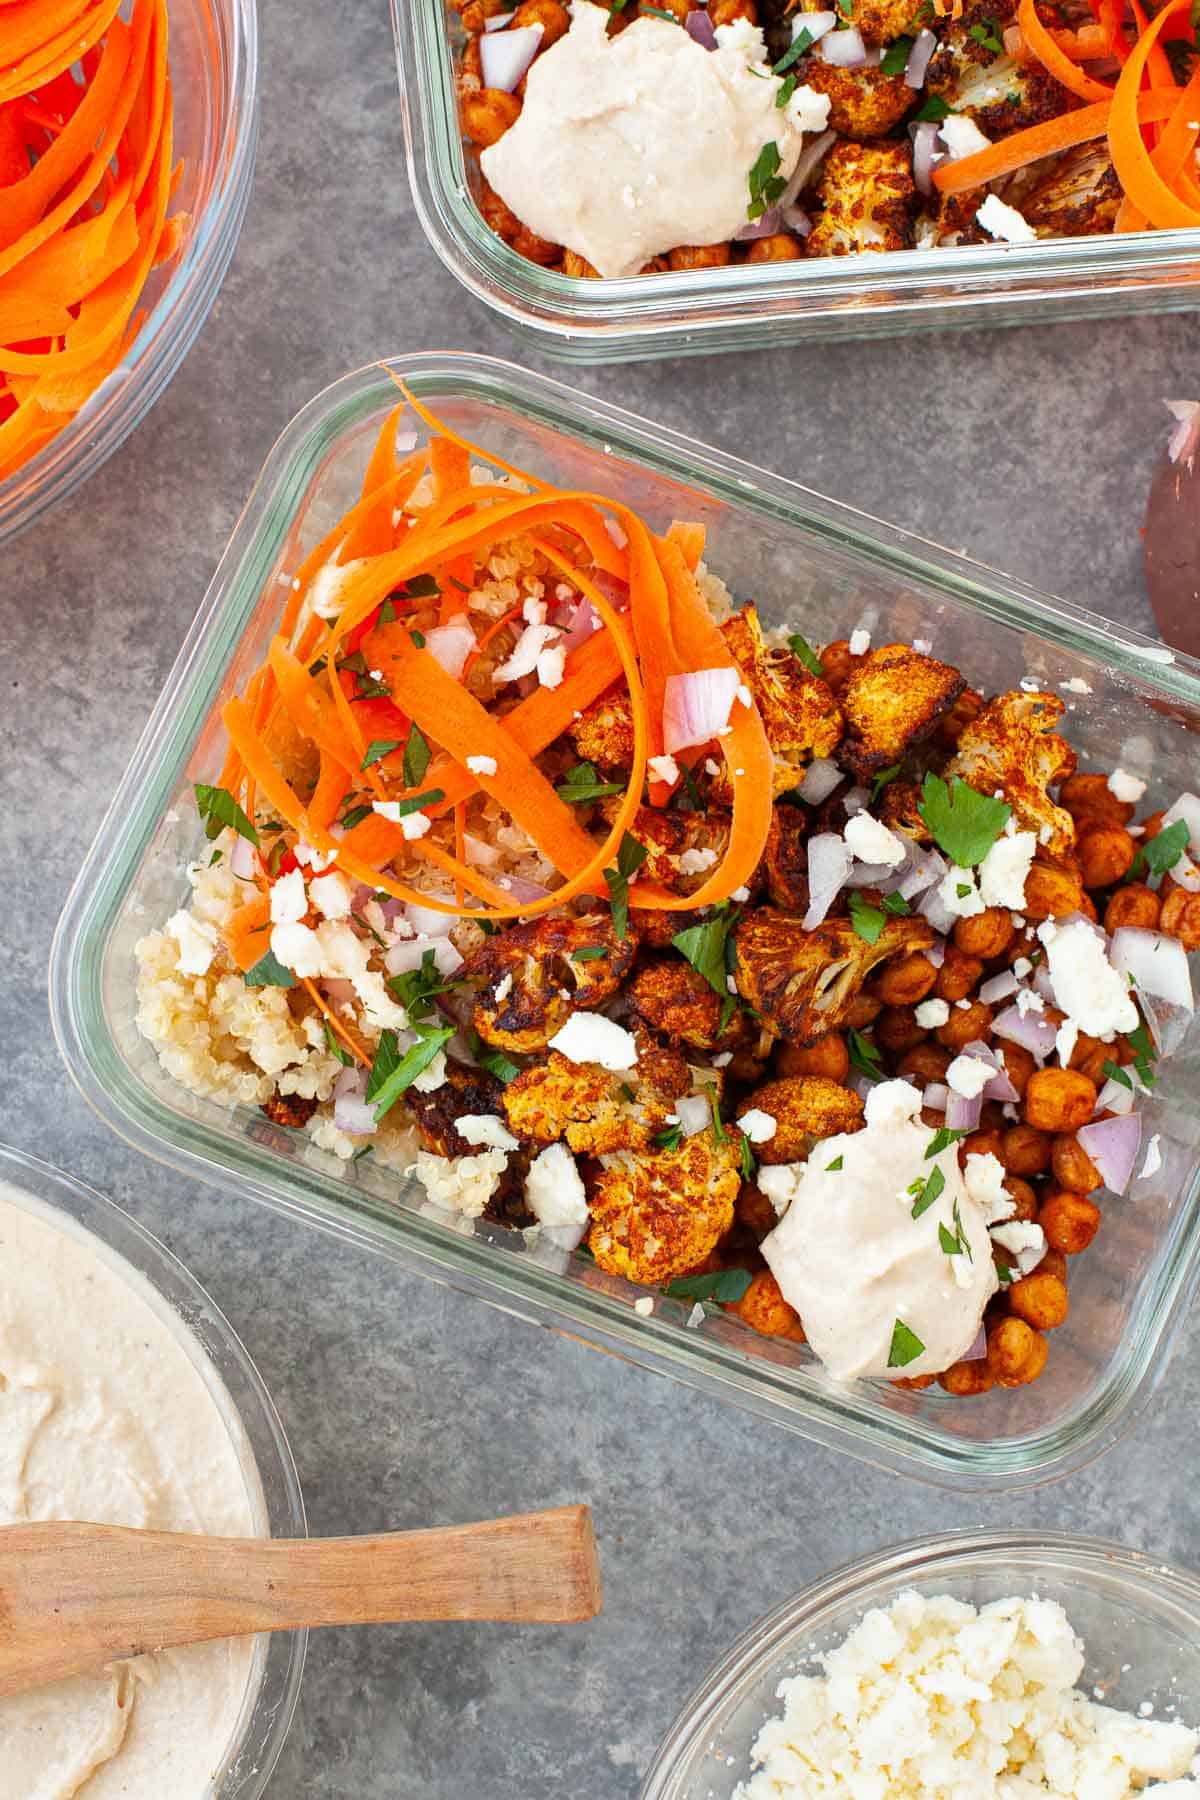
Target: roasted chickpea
{"x": 965, "y": 1024}
{"x": 1016, "y": 1353}
{"x": 926, "y": 1063}
{"x": 958, "y": 975}
{"x": 987, "y": 934}
{"x": 553, "y": 18}
{"x": 781, "y": 246}
{"x": 1070, "y": 1221}
{"x": 914, "y": 1384}
{"x": 470, "y": 68}
{"x": 1153, "y": 825}
{"x": 574, "y": 264}
{"x": 1073, "y": 1167}
{"x": 951, "y": 725}
{"x": 837, "y": 664}
{"x": 864, "y": 1009}
{"x": 906, "y": 980}
{"x": 765, "y": 1310}
{"x": 505, "y": 223}
{"x": 1040, "y": 1299}
{"x": 828, "y": 1056}
{"x": 1090, "y": 801}
{"x": 896, "y": 1030}
{"x": 487, "y": 115}
{"x": 1133, "y": 904}
{"x": 1052, "y": 892}
{"x": 1024, "y": 1198}
{"x": 1053, "y": 1263}
{"x": 1018, "y": 1062}
{"x": 1090, "y": 1055}
{"x": 699, "y": 256}
{"x": 754, "y": 1212}
{"x": 1025, "y": 1151}
{"x": 1105, "y": 855}
{"x": 966, "y": 1378}
{"x": 727, "y": 12}
{"x": 1059, "y": 1100}
{"x": 981, "y": 1143}
{"x": 1180, "y": 917}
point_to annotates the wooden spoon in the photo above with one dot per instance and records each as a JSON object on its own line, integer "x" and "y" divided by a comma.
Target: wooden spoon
{"x": 73, "y": 1597}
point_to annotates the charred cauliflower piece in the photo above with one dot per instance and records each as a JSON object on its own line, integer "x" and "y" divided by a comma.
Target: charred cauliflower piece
{"x": 897, "y": 809}
{"x": 879, "y": 21}
{"x": 799, "y": 713}
{"x": 975, "y": 75}
{"x": 868, "y": 198}
{"x": 802, "y": 983}
{"x": 863, "y": 103}
{"x": 675, "y": 1001}
{"x": 1078, "y": 195}
{"x": 656, "y": 1215}
{"x": 532, "y": 981}
{"x": 464, "y": 1091}
{"x": 892, "y": 700}
{"x": 588, "y": 1106}
{"x": 684, "y": 847}
{"x": 1013, "y": 747}
{"x": 656, "y": 928}
{"x": 603, "y": 733}
{"x": 785, "y": 859}
{"x": 806, "y": 1109}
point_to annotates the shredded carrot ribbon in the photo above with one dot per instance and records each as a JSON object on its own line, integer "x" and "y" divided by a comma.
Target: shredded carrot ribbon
{"x": 1053, "y": 135}
{"x": 1154, "y": 183}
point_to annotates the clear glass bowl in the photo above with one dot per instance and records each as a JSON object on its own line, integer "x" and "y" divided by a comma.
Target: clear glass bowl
{"x": 759, "y": 306}
{"x": 825, "y": 569}
{"x": 1139, "y": 1619}
{"x": 214, "y": 74}
{"x": 244, "y": 1403}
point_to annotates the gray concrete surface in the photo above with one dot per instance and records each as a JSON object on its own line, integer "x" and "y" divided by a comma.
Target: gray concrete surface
{"x": 406, "y": 1403}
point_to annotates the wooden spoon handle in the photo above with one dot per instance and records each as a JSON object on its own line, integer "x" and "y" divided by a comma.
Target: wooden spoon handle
{"x": 73, "y": 1597}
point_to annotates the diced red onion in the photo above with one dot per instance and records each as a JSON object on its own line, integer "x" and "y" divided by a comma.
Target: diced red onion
{"x": 1168, "y": 1025}
{"x": 479, "y": 854}
{"x": 809, "y": 160}
{"x": 855, "y": 800}
{"x": 978, "y": 1349}
{"x": 242, "y": 859}
{"x": 1114, "y": 1097}
{"x": 339, "y": 993}
{"x": 699, "y": 26}
{"x": 616, "y": 531}
{"x": 450, "y": 645}
{"x": 873, "y": 875}
{"x": 697, "y": 706}
{"x": 1000, "y": 1087}
{"x": 582, "y": 623}
{"x": 765, "y": 226}
{"x": 796, "y": 219}
{"x": 999, "y": 987}
{"x": 936, "y": 952}
{"x": 407, "y": 955}
{"x": 612, "y": 587}
{"x": 1186, "y": 874}
{"x": 936, "y": 1096}
{"x": 820, "y": 779}
{"x": 962, "y": 1114}
{"x": 844, "y": 49}
{"x": 407, "y": 440}
{"x": 427, "y": 922}
{"x": 1041, "y": 981}
{"x": 925, "y": 155}
{"x": 860, "y": 1085}
{"x": 1184, "y": 440}
{"x": 931, "y": 906}
{"x": 817, "y": 25}
{"x": 505, "y": 56}
{"x": 350, "y": 1110}
{"x": 828, "y": 866}
{"x": 919, "y": 57}
{"x": 520, "y": 889}
{"x": 923, "y": 869}
{"x": 1187, "y": 807}
{"x": 1113, "y": 1145}
{"x": 496, "y": 23}
{"x": 694, "y": 1113}
{"x": 1157, "y": 963}
{"x": 1033, "y": 1031}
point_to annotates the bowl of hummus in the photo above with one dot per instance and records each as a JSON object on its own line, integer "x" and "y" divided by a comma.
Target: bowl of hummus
{"x": 127, "y": 1399}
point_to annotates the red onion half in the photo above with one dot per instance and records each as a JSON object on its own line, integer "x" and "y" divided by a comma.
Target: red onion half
{"x": 699, "y": 26}
{"x": 1113, "y": 1145}
{"x": 696, "y": 707}
{"x": 963, "y": 1114}
{"x": 504, "y": 56}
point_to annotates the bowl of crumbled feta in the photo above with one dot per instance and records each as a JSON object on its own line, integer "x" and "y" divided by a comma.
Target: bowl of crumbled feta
{"x": 973, "y": 1666}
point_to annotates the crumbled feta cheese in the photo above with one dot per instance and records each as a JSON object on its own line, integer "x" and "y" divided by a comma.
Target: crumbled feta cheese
{"x": 1093, "y": 994}
{"x": 1004, "y": 222}
{"x": 485, "y": 1129}
{"x": 503, "y": 988}
{"x": 860, "y": 642}
{"x": 525, "y": 653}
{"x": 481, "y": 765}
{"x": 780, "y": 1182}
{"x": 298, "y": 948}
{"x": 1005, "y": 868}
{"x": 809, "y": 109}
{"x": 694, "y": 862}
{"x": 551, "y": 666}
{"x": 923, "y": 646}
{"x": 1022, "y": 967}
{"x": 969, "y": 1075}
{"x": 757, "y": 1125}
{"x": 1026, "y": 1242}
{"x": 958, "y": 893}
{"x": 961, "y": 137}
{"x": 308, "y": 858}
{"x": 1076, "y": 685}
{"x": 892, "y": 1102}
{"x": 387, "y": 809}
{"x": 289, "y": 902}
{"x": 1154, "y": 1161}
{"x": 643, "y": 1306}
{"x": 740, "y": 895}
{"x": 1125, "y": 787}
{"x": 1065, "y": 1040}
{"x": 1028, "y": 1000}
{"x": 744, "y": 695}
{"x": 872, "y": 842}
{"x": 534, "y": 611}
{"x": 932, "y": 1013}
{"x": 590, "y": 1037}
{"x": 432, "y": 1078}
{"x": 664, "y": 768}
{"x": 331, "y": 895}
{"x": 197, "y": 941}
{"x": 415, "y": 825}
{"x": 984, "y": 1178}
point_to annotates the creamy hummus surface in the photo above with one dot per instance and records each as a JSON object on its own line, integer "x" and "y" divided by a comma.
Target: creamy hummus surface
{"x": 105, "y": 1416}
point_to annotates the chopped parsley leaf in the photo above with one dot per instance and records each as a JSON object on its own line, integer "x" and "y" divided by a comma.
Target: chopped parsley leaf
{"x": 215, "y": 858}
{"x": 462, "y": 586}
{"x": 864, "y": 1056}
{"x": 949, "y": 1243}
{"x": 706, "y": 947}
{"x": 729, "y": 1006}
{"x": 895, "y": 903}
{"x": 412, "y": 803}
{"x": 335, "y": 1047}
{"x": 319, "y": 667}
{"x": 965, "y": 824}
{"x": 386, "y": 1088}
{"x": 1158, "y": 854}
{"x": 787, "y": 88}
{"x": 941, "y": 1140}
{"x": 218, "y": 808}
{"x": 749, "y": 1168}
{"x": 803, "y": 650}
{"x": 988, "y": 34}
{"x": 722, "y": 1285}
{"x": 378, "y": 748}
{"x": 416, "y": 757}
{"x": 906, "y": 1346}
{"x": 687, "y": 796}
{"x": 766, "y": 183}
{"x": 363, "y": 1150}
{"x": 668, "y": 1139}
{"x": 354, "y": 817}
{"x": 934, "y": 111}
{"x": 836, "y": 1166}
{"x": 802, "y": 41}
{"x": 895, "y": 57}
{"x": 846, "y": 8}
{"x": 582, "y": 784}
{"x": 589, "y": 953}
{"x": 494, "y": 1061}
{"x": 421, "y": 587}
{"x": 418, "y": 638}
{"x": 926, "y": 1191}
{"x": 720, "y": 1135}
{"x": 1004, "y": 1271}
{"x": 630, "y": 858}
{"x": 882, "y": 779}
{"x": 962, "y": 889}
{"x": 1115, "y": 1072}
{"x": 1145, "y": 1054}
{"x": 416, "y": 989}
{"x": 657, "y": 12}
{"x": 269, "y": 972}
{"x": 867, "y": 920}
{"x": 387, "y": 612}
{"x": 275, "y": 859}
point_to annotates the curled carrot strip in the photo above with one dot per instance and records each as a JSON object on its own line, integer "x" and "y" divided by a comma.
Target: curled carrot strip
{"x": 1145, "y": 186}
{"x": 1037, "y": 141}
{"x": 336, "y": 1025}
{"x": 1056, "y": 61}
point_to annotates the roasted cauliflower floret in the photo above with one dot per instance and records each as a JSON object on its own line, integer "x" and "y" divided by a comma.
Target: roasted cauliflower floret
{"x": 533, "y": 979}
{"x": 799, "y": 713}
{"x": 580, "y": 1102}
{"x": 684, "y": 847}
{"x": 868, "y": 197}
{"x": 785, "y": 859}
{"x": 863, "y": 103}
{"x": 879, "y": 21}
{"x": 973, "y": 73}
{"x": 802, "y": 983}
{"x": 1013, "y": 747}
{"x": 806, "y": 1109}
{"x": 603, "y": 733}
{"x": 658, "y": 1214}
{"x": 675, "y": 1001}
{"x": 897, "y": 809}
{"x": 892, "y": 700}
{"x": 1077, "y": 195}
{"x": 465, "y": 1091}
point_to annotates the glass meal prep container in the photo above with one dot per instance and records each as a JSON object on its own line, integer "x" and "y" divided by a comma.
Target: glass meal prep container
{"x": 759, "y": 306}
{"x": 823, "y": 569}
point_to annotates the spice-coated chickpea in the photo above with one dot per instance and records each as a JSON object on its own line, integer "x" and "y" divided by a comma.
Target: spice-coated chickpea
{"x": 551, "y": 15}
{"x": 678, "y": 9}
{"x": 981, "y": 1143}
{"x": 1024, "y": 1197}
{"x": 964, "y": 1379}
{"x": 906, "y": 980}
{"x": 1073, "y": 1167}
{"x": 754, "y": 1211}
{"x": 1018, "y": 1062}
{"x": 1016, "y": 1353}
{"x": 915, "y": 1384}
{"x": 1153, "y": 825}
{"x": 896, "y": 1030}
{"x": 828, "y": 1056}
{"x": 958, "y": 976}
{"x": 1134, "y": 904}
{"x": 837, "y": 664}
{"x": 965, "y": 1024}
{"x": 765, "y": 1310}
{"x": 1090, "y": 1055}
{"x": 579, "y": 266}
{"x": 1070, "y": 1221}
{"x": 1106, "y": 853}
{"x": 1052, "y": 892}
{"x": 727, "y": 12}
{"x": 863, "y": 1010}
{"x": 952, "y": 724}
{"x": 699, "y": 256}
{"x": 1025, "y": 1150}
{"x": 1180, "y": 917}
{"x": 1040, "y": 1299}
{"x": 486, "y": 116}
{"x": 505, "y": 223}
{"x": 1090, "y": 801}
{"x": 926, "y": 1063}
{"x": 987, "y": 934}
{"x": 780, "y": 246}
{"x": 1059, "y": 1100}
{"x": 1053, "y": 1263}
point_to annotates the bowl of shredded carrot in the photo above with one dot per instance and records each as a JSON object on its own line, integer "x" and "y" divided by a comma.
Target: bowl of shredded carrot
{"x": 127, "y": 137}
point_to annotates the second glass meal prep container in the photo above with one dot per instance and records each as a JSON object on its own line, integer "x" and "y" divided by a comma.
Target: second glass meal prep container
{"x": 765, "y": 305}
{"x": 823, "y": 569}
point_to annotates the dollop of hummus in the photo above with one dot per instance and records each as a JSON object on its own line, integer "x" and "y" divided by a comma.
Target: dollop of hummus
{"x": 630, "y": 145}
{"x": 105, "y": 1415}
